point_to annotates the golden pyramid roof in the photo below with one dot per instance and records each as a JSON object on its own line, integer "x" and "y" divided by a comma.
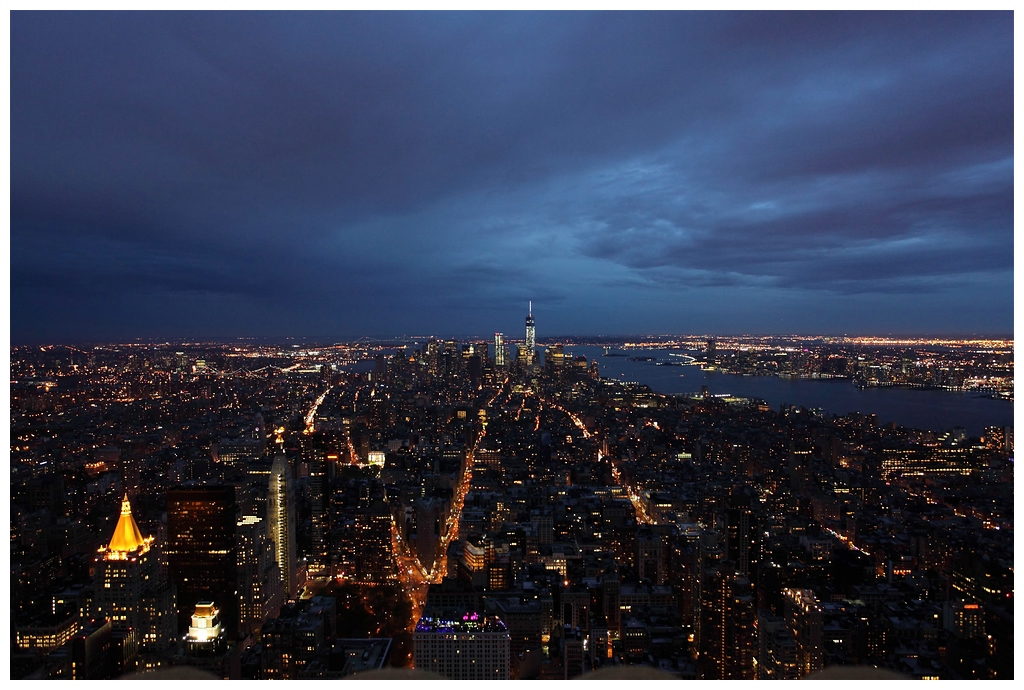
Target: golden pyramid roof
{"x": 126, "y": 535}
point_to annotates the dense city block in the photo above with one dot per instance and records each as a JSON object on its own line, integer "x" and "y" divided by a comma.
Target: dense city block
{"x": 494, "y": 509}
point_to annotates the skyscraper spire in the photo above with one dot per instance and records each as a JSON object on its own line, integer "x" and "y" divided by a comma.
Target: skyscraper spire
{"x": 127, "y": 537}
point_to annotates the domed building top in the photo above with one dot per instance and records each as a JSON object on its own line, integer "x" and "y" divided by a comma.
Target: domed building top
{"x": 127, "y": 537}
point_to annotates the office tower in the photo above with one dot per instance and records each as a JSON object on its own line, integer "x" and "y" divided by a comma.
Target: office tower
{"x": 474, "y": 368}
{"x": 207, "y": 645}
{"x": 461, "y": 645}
{"x": 523, "y": 358}
{"x": 964, "y": 619}
{"x": 374, "y": 562}
{"x": 499, "y": 350}
{"x": 776, "y": 649}
{"x": 281, "y": 522}
{"x": 650, "y": 556}
{"x": 727, "y": 635}
{"x": 708, "y": 556}
{"x": 803, "y": 618}
{"x": 205, "y": 632}
{"x": 741, "y": 545}
{"x": 430, "y": 517}
{"x": 316, "y": 448}
{"x": 291, "y": 641}
{"x": 432, "y": 355}
{"x": 240, "y": 452}
{"x": 86, "y": 656}
{"x": 201, "y": 549}
{"x": 451, "y": 358}
{"x": 260, "y": 591}
{"x": 128, "y": 590}
{"x": 531, "y": 337}
{"x": 711, "y": 351}
{"x": 482, "y": 349}
{"x": 554, "y": 361}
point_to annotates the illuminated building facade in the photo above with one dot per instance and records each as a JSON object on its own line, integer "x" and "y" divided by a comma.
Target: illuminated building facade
{"x": 260, "y": 592}
{"x": 728, "y": 629}
{"x": 777, "y": 655}
{"x": 281, "y": 522}
{"x": 47, "y": 635}
{"x": 316, "y": 448}
{"x": 205, "y": 632}
{"x": 499, "y": 350}
{"x": 462, "y": 645}
{"x": 803, "y": 616}
{"x": 374, "y": 562}
{"x": 207, "y": 646}
{"x": 965, "y": 619}
{"x": 926, "y": 462}
{"x": 531, "y": 338}
{"x": 555, "y": 361}
{"x": 128, "y": 590}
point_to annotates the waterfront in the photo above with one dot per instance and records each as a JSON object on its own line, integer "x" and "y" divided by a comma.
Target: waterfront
{"x": 937, "y": 410}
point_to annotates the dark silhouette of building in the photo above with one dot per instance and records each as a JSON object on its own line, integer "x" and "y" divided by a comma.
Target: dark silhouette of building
{"x": 202, "y": 551}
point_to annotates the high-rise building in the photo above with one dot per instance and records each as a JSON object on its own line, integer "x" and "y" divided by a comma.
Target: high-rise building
{"x": 202, "y": 551}
{"x": 475, "y": 370}
{"x": 499, "y": 350}
{"x": 776, "y": 649}
{"x": 207, "y": 646}
{"x": 555, "y": 360}
{"x": 316, "y": 449}
{"x": 430, "y": 518}
{"x": 374, "y": 562}
{"x": 741, "y": 545}
{"x": 128, "y": 590}
{"x": 803, "y": 616}
{"x": 728, "y": 630}
{"x": 462, "y": 645}
{"x": 260, "y": 591}
{"x": 650, "y": 556}
{"x": 531, "y": 338}
{"x": 281, "y": 522}
{"x": 964, "y": 619}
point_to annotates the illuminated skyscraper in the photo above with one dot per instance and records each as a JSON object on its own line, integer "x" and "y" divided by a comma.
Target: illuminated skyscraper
{"x": 129, "y": 592}
{"x": 803, "y": 618}
{"x": 316, "y": 448}
{"x": 260, "y": 594}
{"x": 531, "y": 337}
{"x": 281, "y": 521}
{"x": 499, "y": 350}
{"x": 728, "y": 628}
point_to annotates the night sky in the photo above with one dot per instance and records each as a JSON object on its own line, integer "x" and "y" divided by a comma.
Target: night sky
{"x": 358, "y": 174}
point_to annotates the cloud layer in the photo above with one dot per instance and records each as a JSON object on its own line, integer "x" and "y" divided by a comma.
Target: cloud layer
{"x": 343, "y": 174}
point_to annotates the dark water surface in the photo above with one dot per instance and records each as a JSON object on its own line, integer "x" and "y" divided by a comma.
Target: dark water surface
{"x": 937, "y": 410}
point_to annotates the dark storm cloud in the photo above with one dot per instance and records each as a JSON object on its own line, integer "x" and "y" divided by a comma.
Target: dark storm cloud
{"x": 257, "y": 172}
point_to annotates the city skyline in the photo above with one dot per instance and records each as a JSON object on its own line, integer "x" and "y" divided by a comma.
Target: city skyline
{"x": 519, "y": 345}
{"x": 267, "y": 512}
{"x": 358, "y": 174}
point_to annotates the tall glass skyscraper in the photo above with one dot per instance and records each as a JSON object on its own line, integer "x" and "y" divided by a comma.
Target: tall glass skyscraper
{"x": 531, "y": 337}
{"x": 281, "y": 519}
{"x": 499, "y": 350}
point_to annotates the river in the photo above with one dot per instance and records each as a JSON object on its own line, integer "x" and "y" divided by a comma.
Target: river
{"x": 937, "y": 410}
